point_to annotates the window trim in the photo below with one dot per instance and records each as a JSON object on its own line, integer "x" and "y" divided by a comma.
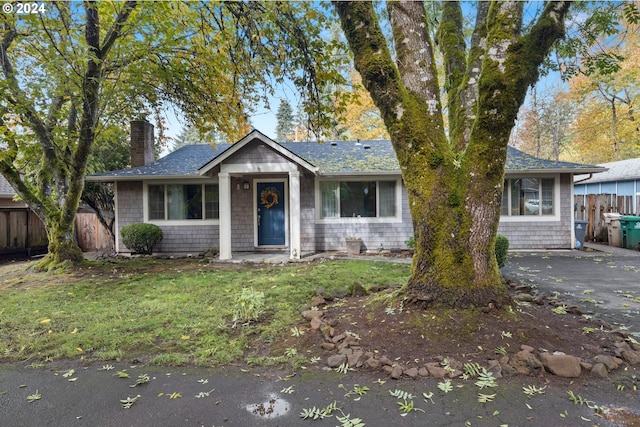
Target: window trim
{"x": 536, "y": 218}
{"x": 179, "y": 222}
{"x": 397, "y": 218}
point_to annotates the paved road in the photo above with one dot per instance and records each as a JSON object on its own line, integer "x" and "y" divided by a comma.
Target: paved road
{"x": 607, "y": 284}
{"x": 233, "y": 397}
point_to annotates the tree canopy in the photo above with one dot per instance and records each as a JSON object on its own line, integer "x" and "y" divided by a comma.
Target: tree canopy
{"x": 592, "y": 117}
{"x": 77, "y": 72}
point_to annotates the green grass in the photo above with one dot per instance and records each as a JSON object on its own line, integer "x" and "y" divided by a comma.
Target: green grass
{"x": 173, "y": 312}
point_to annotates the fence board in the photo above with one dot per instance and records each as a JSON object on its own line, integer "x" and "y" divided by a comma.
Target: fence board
{"x": 592, "y": 207}
{"x": 91, "y": 235}
{"x": 21, "y": 230}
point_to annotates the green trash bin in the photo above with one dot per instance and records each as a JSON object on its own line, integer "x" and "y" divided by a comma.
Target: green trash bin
{"x": 630, "y": 227}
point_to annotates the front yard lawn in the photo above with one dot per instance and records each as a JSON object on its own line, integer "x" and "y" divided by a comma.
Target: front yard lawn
{"x": 166, "y": 312}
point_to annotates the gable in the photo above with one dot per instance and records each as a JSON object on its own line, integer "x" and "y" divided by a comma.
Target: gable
{"x": 256, "y": 137}
{"x": 256, "y": 152}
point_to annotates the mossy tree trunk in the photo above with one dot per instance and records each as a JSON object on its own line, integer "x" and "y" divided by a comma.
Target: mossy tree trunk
{"x": 453, "y": 174}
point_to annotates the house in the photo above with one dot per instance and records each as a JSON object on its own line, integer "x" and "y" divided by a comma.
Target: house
{"x": 258, "y": 194}
{"x": 621, "y": 182}
{"x": 617, "y": 190}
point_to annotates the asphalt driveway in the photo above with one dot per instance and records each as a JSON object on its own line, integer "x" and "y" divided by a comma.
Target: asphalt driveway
{"x": 603, "y": 281}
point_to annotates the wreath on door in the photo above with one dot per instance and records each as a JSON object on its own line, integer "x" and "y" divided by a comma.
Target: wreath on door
{"x": 269, "y": 197}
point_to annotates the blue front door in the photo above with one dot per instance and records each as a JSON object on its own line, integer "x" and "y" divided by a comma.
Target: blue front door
{"x": 271, "y": 224}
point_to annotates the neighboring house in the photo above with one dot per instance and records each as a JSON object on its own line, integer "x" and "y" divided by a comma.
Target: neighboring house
{"x": 615, "y": 191}
{"x": 621, "y": 181}
{"x": 258, "y": 194}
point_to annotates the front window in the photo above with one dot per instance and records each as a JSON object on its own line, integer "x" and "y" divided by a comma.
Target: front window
{"x": 528, "y": 197}
{"x": 358, "y": 199}
{"x": 183, "y": 201}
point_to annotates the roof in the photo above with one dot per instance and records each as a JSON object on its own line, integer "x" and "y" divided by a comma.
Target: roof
{"x": 518, "y": 161}
{"x": 624, "y": 170}
{"x": 6, "y": 190}
{"x": 328, "y": 158}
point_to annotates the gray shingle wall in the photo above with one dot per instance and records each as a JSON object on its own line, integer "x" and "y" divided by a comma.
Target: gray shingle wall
{"x": 242, "y": 216}
{"x": 543, "y": 234}
{"x": 318, "y": 237}
{"x": 129, "y": 206}
{"x": 255, "y": 152}
{"x": 189, "y": 238}
{"x": 385, "y": 235}
{"x": 307, "y": 213}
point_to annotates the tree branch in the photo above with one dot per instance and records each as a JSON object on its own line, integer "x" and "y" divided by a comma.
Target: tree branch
{"x": 414, "y": 52}
{"x": 372, "y": 58}
{"x": 116, "y": 28}
{"x": 450, "y": 40}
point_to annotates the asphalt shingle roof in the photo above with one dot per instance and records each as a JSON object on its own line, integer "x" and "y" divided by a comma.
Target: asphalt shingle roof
{"x": 330, "y": 157}
{"x": 6, "y": 189}
{"x": 520, "y": 161}
{"x": 624, "y": 170}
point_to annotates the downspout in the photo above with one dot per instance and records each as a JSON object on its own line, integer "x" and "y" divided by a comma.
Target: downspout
{"x": 583, "y": 179}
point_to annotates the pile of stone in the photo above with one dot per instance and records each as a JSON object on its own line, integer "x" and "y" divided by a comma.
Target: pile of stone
{"x": 347, "y": 351}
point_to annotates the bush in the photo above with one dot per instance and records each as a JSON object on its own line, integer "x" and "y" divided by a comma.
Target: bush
{"x": 502, "y": 246}
{"x": 249, "y": 306}
{"x": 411, "y": 243}
{"x": 141, "y": 238}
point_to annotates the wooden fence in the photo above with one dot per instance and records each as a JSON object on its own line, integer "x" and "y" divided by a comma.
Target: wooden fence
{"x": 21, "y": 230}
{"x": 592, "y": 207}
{"x": 92, "y": 236}
{"x": 22, "y": 233}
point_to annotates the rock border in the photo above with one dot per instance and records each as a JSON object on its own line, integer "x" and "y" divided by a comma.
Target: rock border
{"x": 346, "y": 348}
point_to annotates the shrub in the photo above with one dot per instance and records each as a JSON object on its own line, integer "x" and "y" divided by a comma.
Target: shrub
{"x": 141, "y": 238}
{"x": 411, "y": 243}
{"x": 502, "y": 246}
{"x": 249, "y": 306}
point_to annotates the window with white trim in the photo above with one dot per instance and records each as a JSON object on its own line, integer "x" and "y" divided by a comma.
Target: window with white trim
{"x": 183, "y": 201}
{"x": 358, "y": 199}
{"x": 528, "y": 197}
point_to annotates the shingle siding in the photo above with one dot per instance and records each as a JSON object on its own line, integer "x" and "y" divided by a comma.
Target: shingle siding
{"x": 326, "y": 237}
{"x": 129, "y": 203}
{"x": 182, "y": 238}
{"x": 254, "y": 152}
{"x": 543, "y": 234}
{"x": 323, "y": 159}
{"x": 377, "y": 235}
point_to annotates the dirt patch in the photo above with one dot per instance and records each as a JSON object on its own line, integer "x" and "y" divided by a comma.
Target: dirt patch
{"x": 414, "y": 338}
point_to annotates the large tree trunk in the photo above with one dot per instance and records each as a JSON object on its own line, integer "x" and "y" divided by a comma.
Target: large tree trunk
{"x": 454, "y": 176}
{"x": 63, "y": 247}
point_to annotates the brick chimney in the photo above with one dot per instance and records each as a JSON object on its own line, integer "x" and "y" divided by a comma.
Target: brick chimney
{"x": 142, "y": 149}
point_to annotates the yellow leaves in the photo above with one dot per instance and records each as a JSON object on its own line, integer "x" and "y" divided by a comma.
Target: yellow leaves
{"x": 185, "y": 338}
{"x": 45, "y": 321}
